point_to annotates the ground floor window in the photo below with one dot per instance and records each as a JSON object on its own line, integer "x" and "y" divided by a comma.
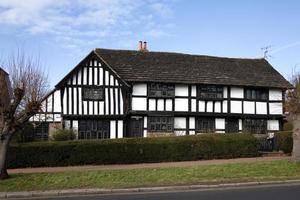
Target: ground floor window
{"x": 255, "y": 126}
{"x": 161, "y": 124}
{"x": 93, "y": 129}
{"x": 205, "y": 125}
{"x": 41, "y": 131}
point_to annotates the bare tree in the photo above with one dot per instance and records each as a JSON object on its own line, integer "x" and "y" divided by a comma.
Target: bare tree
{"x": 292, "y": 105}
{"x": 29, "y": 85}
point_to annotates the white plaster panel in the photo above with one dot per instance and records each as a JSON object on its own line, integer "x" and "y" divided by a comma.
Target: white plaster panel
{"x": 273, "y": 125}
{"x": 192, "y": 123}
{"x": 145, "y": 133}
{"x": 90, "y": 76}
{"x": 65, "y": 101}
{"x": 180, "y": 122}
{"x": 106, "y": 77}
{"x": 201, "y": 106}
{"x": 101, "y": 76}
{"x": 57, "y": 104}
{"x": 139, "y": 89}
{"x": 80, "y": 111}
{"x": 193, "y": 106}
{"x": 120, "y": 128}
{"x": 121, "y": 104}
{"x": 75, "y": 101}
{"x": 112, "y": 129}
{"x": 90, "y": 107}
{"x": 160, "y": 105}
{"x": 106, "y": 101}
{"x": 275, "y": 108}
{"x": 194, "y": 92}
{"x": 236, "y": 92}
{"x": 112, "y": 106}
{"x": 217, "y": 106}
{"x": 79, "y": 77}
{"x": 117, "y": 100}
{"x": 169, "y": 105}
{"x": 101, "y": 108}
{"x": 240, "y": 124}
{"x": 181, "y": 104}
{"x": 225, "y": 106}
{"x": 236, "y": 106}
{"x": 249, "y": 107}
{"x": 145, "y": 122}
{"x": 139, "y": 103}
{"x": 67, "y": 124}
{"x": 220, "y": 123}
{"x": 152, "y": 104}
{"x": 49, "y": 103}
{"x": 261, "y": 108}
{"x": 181, "y": 90}
{"x": 209, "y": 106}
{"x": 84, "y": 76}
{"x": 275, "y": 95}
{"x": 225, "y": 91}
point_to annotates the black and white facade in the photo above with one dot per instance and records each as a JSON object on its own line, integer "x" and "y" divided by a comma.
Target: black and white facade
{"x": 119, "y": 93}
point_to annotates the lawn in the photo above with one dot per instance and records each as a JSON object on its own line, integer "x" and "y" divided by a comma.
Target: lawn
{"x": 243, "y": 172}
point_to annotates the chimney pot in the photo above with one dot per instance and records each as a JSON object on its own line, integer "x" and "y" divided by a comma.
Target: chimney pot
{"x": 140, "y": 47}
{"x": 145, "y": 46}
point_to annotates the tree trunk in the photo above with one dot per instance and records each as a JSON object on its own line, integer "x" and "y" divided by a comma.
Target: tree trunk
{"x": 4, "y": 142}
{"x": 296, "y": 138}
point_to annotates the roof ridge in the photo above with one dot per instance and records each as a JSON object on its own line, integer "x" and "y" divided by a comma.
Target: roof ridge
{"x": 179, "y": 53}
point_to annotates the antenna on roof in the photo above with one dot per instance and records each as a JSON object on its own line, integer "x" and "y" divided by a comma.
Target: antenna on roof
{"x": 266, "y": 51}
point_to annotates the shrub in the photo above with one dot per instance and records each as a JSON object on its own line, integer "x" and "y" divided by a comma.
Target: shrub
{"x": 284, "y": 141}
{"x": 133, "y": 150}
{"x": 63, "y": 135}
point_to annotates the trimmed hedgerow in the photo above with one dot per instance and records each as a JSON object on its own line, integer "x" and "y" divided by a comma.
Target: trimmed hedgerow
{"x": 284, "y": 141}
{"x": 133, "y": 150}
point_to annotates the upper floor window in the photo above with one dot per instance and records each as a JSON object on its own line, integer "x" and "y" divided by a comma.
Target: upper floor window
{"x": 93, "y": 93}
{"x": 256, "y": 94}
{"x": 210, "y": 92}
{"x": 161, "y": 90}
{"x": 161, "y": 124}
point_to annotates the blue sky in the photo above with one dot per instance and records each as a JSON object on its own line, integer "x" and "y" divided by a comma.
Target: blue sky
{"x": 62, "y": 32}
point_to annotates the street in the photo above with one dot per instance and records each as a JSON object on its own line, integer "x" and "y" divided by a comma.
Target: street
{"x": 272, "y": 192}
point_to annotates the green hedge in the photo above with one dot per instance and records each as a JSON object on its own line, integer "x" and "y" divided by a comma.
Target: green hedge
{"x": 284, "y": 141}
{"x": 133, "y": 150}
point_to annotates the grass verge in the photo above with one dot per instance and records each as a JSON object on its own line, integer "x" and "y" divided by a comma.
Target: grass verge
{"x": 243, "y": 172}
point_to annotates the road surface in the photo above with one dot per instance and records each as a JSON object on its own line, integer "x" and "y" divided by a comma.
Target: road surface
{"x": 266, "y": 192}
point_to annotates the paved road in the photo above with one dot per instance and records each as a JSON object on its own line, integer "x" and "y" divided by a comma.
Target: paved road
{"x": 274, "y": 192}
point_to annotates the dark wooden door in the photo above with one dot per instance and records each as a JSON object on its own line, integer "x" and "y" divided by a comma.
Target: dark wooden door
{"x": 232, "y": 125}
{"x": 136, "y": 127}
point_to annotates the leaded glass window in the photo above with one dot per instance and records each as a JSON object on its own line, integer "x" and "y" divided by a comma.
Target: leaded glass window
{"x": 93, "y": 93}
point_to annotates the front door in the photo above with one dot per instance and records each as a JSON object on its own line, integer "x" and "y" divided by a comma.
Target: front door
{"x": 232, "y": 125}
{"x": 136, "y": 127}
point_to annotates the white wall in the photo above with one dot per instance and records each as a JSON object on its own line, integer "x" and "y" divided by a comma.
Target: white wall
{"x": 217, "y": 106}
{"x": 120, "y": 129}
{"x": 236, "y": 92}
{"x": 139, "y": 89}
{"x": 249, "y": 107}
{"x": 275, "y": 95}
{"x": 160, "y": 105}
{"x": 201, "y": 106}
{"x": 261, "y": 108}
{"x": 169, "y": 105}
{"x": 113, "y": 129}
{"x": 275, "y": 108}
{"x": 236, "y": 106}
{"x": 181, "y": 104}
{"x": 209, "y": 106}
{"x": 181, "y": 90}
{"x": 179, "y": 122}
{"x": 220, "y": 123}
{"x": 139, "y": 103}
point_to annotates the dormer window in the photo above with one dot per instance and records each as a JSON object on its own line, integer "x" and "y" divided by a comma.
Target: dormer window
{"x": 93, "y": 93}
{"x": 210, "y": 92}
{"x": 161, "y": 90}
